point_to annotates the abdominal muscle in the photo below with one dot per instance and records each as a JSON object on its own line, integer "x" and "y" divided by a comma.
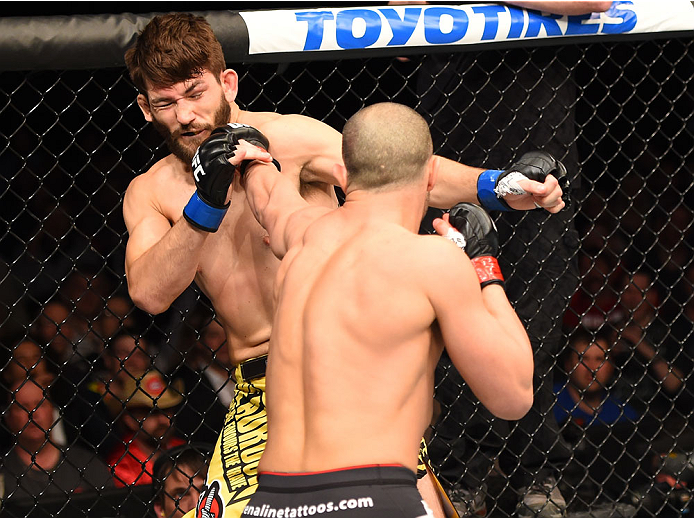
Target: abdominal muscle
{"x": 237, "y": 273}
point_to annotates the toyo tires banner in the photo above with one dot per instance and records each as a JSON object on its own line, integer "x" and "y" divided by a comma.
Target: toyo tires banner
{"x": 406, "y": 26}
{"x": 275, "y": 36}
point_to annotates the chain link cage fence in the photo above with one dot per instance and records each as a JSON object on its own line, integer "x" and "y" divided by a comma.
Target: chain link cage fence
{"x": 605, "y": 287}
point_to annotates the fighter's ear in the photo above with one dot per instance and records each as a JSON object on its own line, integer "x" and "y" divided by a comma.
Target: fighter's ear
{"x": 229, "y": 80}
{"x": 143, "y": 103}
{"x": 340, "y": 173}
{"x": 432, "y": 172}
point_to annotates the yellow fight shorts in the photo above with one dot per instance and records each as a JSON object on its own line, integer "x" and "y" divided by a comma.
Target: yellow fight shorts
{"x": 423, "y": 459}
{"x": 232, "y": 474}
{"x": 424, "y": 468}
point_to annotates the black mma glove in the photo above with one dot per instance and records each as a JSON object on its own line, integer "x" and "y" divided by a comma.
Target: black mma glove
{"x": 213, "y": 174}
{"x": 481, "y": 241}
{"x": 493, "y": 185}
{"x": 251, "y": 135}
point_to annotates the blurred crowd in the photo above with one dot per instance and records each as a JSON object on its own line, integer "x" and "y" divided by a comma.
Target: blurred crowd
{"x": 96, "y": 393}
{"x": 93, "y": 399}
{"x": 99, "y": 395}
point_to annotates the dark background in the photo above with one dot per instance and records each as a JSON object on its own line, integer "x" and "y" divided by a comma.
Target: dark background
{"x": 68, "y": 8}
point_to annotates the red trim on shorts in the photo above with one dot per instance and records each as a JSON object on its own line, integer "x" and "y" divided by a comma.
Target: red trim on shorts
{"x": 299, "y": 474}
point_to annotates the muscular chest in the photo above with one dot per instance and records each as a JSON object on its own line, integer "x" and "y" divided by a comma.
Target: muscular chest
{"x": 237, "y": 268}
{"x": 238, "y": 255}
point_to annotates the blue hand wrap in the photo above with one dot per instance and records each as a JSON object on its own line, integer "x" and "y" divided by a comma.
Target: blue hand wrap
{"x": 485, "y": 191}
{"x": 202, "y": 215}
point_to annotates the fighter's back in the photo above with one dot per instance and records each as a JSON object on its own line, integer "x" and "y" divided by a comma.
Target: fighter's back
{"x": 351, "y": 348}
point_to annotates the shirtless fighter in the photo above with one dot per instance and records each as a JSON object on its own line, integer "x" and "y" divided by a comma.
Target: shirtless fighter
{"x": 365, "y": 306}
{"x": 186, "y": 91}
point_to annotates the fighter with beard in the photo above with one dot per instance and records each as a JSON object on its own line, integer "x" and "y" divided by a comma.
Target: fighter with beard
{"x": 190, "y": 224}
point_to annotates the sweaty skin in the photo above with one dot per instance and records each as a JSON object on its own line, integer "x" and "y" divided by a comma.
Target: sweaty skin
{"x": 364, "y": 306}
{"x": 234, "y": 266}
{"x": 350, "y": 408}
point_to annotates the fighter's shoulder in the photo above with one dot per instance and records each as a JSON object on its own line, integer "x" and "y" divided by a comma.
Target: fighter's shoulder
{"x": 404, "y": 247}
{"x": 293, "y": 128}
{"x": 259, "y": 120}
{"x": 435, "y": 244}
{"x": 165, "y": 175}
{"x": 167, "y": 169}
{"x": 444, "y": 264}
{"x": 435, "y": 251}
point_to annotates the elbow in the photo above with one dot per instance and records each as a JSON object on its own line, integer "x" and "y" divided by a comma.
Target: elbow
{"x": 277, "y": 245}
{"x": 523, "y": 405}
{"x": 516, "y": 407}
{"x": 146, "y": 302}
{"x": 516, "y": 398}
{"x": 518, "y": 391}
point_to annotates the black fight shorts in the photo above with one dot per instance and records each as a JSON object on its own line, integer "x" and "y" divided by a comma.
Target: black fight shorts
{"x": 364, "y": 492}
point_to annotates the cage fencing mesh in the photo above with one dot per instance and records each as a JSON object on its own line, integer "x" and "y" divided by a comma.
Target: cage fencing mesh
{"x": 612, "y": 428}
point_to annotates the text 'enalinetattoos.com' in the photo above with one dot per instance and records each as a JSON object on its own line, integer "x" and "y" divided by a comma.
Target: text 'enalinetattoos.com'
{"x": 267, "y": 511}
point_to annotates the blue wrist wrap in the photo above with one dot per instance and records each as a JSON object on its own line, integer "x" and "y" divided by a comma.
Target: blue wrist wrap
{"x": 202, "y": 215}
{"x": 485, "y": 191}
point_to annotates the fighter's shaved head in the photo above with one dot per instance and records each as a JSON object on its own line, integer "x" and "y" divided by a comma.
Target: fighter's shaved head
{"x": 385, "y": 144}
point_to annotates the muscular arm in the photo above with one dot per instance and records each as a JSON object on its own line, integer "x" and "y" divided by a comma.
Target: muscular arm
{"x": 483, "y": 336}
{"x": 455, "y": 183}
{"x": 311, "y": 144}
{"x": 277, "y": 205}
{"x": 317, "y": 147}
{"x": 160, "y": 259}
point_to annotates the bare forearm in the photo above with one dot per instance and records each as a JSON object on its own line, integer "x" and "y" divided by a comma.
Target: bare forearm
{"x": 258, "y": 184}
{"x": 500, "y": 308}
{"x": 164, "y": 271}
{"x": 455, "y": 183}
{"x": 518, "y": 351}
{"x": 494, "y": 358}
{"x": 273, "y": 198}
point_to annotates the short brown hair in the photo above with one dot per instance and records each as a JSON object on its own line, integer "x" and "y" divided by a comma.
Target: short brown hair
{"x": 385, "y": 144}
{"x": 190, "y": 459}
{"x": 173, "y": 48}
